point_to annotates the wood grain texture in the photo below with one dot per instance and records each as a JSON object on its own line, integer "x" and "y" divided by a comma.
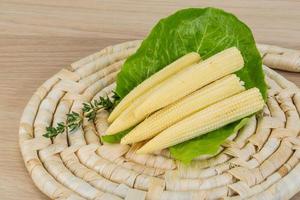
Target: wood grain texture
{"x": 37, "y": 38}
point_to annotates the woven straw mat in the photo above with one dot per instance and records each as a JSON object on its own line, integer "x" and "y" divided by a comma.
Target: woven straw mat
{"x": 259, "y": 162}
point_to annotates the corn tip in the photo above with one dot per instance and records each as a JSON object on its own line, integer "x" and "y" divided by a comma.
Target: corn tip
{"x": 141, "y": 151}
{"x": 108, "y": 132}
{"x": 110, "y": 119}
{"x": 123, "y": 141}
{"x": 194, "y": 54}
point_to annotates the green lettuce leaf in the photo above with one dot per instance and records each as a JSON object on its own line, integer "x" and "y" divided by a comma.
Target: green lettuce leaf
{"x": 116, "y": 138}
{"x": 205, "y": 144}
{"x": 206, "y": 31}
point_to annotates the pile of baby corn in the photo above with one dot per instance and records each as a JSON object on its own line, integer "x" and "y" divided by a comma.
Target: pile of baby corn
{"x": 186, "y": 99}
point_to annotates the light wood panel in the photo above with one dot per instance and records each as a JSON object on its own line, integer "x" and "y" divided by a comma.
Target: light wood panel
{"x": 37, "y": 38}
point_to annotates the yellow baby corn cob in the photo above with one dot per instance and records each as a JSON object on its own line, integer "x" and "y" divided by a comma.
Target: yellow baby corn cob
{"x": 191, "y": 79}
{"x": 208, "y": 119}
{"x": 127, "y": 119}
{"x": 190, "y": 104}
{"x": 156, "y": 78}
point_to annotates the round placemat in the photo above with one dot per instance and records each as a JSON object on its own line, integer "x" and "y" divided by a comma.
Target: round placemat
{"x": 259, "y": 162}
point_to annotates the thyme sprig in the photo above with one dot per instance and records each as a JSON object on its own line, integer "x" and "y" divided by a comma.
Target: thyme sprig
{"x": 90, "y": 109}
{"x": 52, "y": 132}
{"x": 74, "y": 120}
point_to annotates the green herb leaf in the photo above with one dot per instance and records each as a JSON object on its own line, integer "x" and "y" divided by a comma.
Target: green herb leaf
{"x": 90, "y": 109}
{"x": 74, "y": 121}
{"x": 52, "y": 132}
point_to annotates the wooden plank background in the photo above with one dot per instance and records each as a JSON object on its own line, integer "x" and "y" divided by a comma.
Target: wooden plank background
{"x": 39, "y": 37}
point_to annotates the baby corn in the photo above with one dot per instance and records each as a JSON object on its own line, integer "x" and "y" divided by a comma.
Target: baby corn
{"x": 126, "y": 119}
{"x": 156, "y": 78}
{"x": 190, "y": 104}
{"x": 191, "y": 79}
{"x": 208, "y": 119}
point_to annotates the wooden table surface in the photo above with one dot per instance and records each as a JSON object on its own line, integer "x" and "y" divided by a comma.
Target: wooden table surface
{"x": 39, "y": 37}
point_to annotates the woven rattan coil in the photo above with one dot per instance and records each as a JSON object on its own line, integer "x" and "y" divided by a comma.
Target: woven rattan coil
{"x": 259, "y": 162}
